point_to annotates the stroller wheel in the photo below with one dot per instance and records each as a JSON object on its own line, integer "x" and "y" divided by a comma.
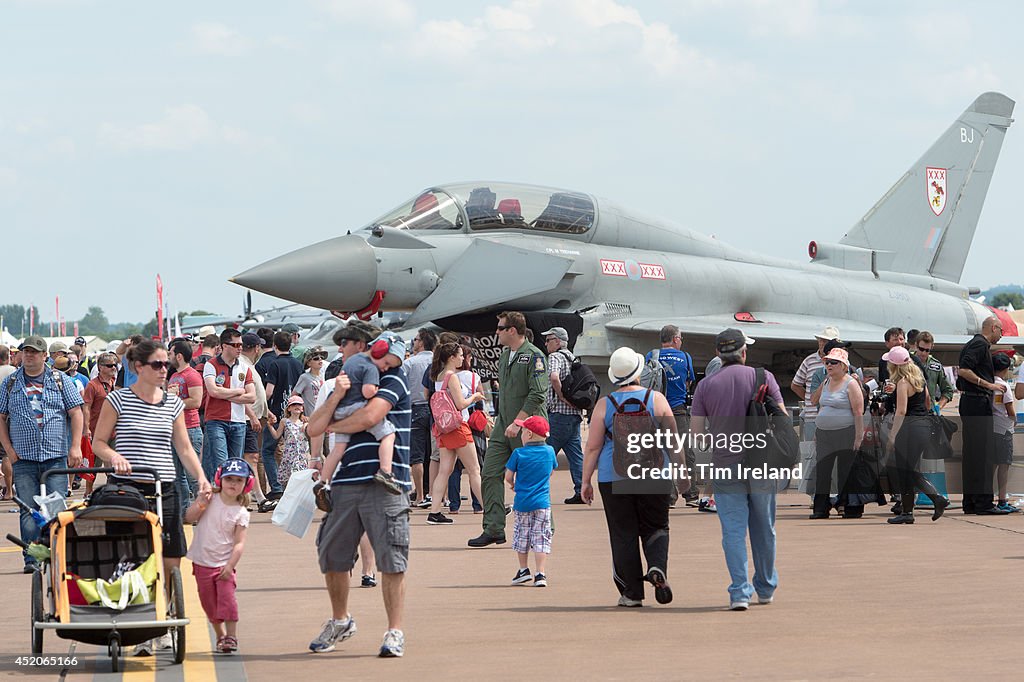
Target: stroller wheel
{"x": 37, "y": 611}
{"x": 114, "y": 649}
{"x": 176, "y": 609}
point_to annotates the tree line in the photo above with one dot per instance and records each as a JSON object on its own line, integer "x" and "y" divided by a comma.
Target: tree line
{"x": 93, "y": 323}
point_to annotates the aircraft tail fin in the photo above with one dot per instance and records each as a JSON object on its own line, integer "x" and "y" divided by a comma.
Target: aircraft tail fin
{"x": 925, "y": 223}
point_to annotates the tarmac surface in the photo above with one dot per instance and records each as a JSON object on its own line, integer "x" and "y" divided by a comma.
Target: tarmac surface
{"x": 857, "y": 599}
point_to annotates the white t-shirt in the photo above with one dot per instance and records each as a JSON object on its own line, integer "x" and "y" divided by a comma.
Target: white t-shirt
{"x": 1001, "y": 422}
{"x": 214, "y": 537}
{"x": 6, "y": 371}
{"x": 465, "y": 378}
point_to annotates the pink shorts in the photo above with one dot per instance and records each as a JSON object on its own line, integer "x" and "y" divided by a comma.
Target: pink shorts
{"x": 216, "y": 596}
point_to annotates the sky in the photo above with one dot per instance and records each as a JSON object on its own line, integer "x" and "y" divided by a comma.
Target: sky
{"x": 197, "y": 139}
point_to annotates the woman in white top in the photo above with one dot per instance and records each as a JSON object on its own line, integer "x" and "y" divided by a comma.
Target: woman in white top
{"x": 448, "y": 360}
{"x": 146, "y": 419}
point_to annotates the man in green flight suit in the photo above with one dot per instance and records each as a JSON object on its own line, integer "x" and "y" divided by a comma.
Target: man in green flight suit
{"x": 523, "y": 378}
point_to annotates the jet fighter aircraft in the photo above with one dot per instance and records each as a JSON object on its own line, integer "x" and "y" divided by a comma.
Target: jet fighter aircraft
{"x": 457, "y": 254}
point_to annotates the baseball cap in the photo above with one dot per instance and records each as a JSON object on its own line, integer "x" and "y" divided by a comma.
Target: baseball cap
{"x": 35, "y": 343}
{"x": 58, "y": 347}
{"x": 290, "y": 328}
{"x": 388, "y": 342}
{"x": 559, "y": 333}
{"x": 731, "y": 340}
{"x": 79, "y": 340}
{"x": 295, "y": 400}
{"x": 535, "y": 424}
{"x": 828, "y": 333}
{"x": 236, "y": 467}
{"x": 897, "y": 356}
{"x": 250, "y": 340}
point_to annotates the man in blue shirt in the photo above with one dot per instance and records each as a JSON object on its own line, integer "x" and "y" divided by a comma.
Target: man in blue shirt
{"x": 679, "y": 377}
{"x": 40, "y": 428}
{"x": 360, "y": 505}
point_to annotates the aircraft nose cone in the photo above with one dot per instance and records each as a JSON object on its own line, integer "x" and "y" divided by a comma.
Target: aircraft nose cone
{"x": 337, "y": 274}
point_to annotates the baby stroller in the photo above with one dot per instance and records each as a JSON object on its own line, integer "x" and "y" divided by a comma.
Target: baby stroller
{"x": 103, "y": 582}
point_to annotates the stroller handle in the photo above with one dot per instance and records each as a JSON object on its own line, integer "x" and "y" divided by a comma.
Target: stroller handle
{"x": 105, "y": 470}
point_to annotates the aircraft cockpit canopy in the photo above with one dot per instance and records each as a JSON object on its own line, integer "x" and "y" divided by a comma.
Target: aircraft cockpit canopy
{"x": 494, "y": 206}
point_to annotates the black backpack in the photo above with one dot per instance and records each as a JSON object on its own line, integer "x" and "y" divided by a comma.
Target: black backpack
{"x": 580, "y": 388}
{"x": 765, "y": 417}
{"x": 118, "y": 495}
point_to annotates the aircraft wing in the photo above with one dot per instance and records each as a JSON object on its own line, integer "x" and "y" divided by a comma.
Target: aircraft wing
{"x": 782, "y": 331}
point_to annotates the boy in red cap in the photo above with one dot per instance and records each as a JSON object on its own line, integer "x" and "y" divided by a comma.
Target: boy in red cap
{"x": 528, "y": 473}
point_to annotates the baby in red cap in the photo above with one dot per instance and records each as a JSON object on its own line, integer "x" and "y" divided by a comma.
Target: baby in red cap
{"x": 528, "y": 473}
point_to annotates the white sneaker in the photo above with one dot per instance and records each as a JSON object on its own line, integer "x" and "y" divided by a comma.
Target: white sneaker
{"x": 739, "y": 606}
{"x": 144, "y": 649}
{"x": 629, "y": 603}
{"x": 765, "y": 600}
{"x": 393, "y": 645}
{"x": 334, "y": 631}
{"x": 163, "y": 642}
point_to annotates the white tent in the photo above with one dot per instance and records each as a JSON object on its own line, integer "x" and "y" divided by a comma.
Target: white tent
{"x": 93, "y": 344}
{"x": 7, "y": 339}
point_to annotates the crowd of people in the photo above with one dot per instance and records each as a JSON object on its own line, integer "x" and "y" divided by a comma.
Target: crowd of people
{"x": 222, "y": 418}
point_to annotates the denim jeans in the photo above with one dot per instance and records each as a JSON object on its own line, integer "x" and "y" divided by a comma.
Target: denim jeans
{"x": 223, "y": 440}
{"x": 27, "y": 477}
{"x": 269, "y": 463}
{"x": 565, "y": 436}
{"x": 188, "y": 486}
{"x": 748, "y": 505}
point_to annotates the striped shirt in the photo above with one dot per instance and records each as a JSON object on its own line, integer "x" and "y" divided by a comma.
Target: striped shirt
{"x": 362, "y": 459}
{"x": 36, "y": 441}
{"x": 144, "y": 432}
{"x": 811, "y": 364}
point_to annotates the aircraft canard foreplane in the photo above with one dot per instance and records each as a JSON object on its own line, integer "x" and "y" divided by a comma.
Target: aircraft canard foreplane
{"x": 457, "y": 254}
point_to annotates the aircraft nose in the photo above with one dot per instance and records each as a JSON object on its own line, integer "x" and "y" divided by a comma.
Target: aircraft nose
{"x": 336, "y": 274}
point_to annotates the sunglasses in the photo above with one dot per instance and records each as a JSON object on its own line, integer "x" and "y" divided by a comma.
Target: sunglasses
{"x": 108, "y": 366}
{"x": 318, "y": 357}
{"x": 237, "y": 344}
{"x": 157, "y": 365}
{"x": 924, "y": 350}
{"x": 502, "y": 328}
{"x": 832, "y": 363}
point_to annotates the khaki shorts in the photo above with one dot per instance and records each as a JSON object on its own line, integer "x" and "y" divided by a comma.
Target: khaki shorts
{"x": 369, "y": 508}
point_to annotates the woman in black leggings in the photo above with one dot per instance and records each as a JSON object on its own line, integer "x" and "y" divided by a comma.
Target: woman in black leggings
{"x": 911, "y": 433}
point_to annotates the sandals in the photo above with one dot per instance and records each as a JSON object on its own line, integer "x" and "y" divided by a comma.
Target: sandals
{"x": 227, "y": 645}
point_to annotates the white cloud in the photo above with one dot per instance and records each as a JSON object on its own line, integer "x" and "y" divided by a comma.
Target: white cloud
{"x": 214, "y": 38}
{"x": 386, "y": 14}
{"x": 597, "y": 36}
{"x": 181, "y": 127}
{"x": 61, "y": 147}
{"x": 307, "y": 113}
{"x": 8, "y": 182}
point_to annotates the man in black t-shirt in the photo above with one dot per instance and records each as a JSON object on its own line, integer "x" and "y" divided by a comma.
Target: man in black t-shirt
{"x": 976, "y": 381}
{"x": 282, "y": 374}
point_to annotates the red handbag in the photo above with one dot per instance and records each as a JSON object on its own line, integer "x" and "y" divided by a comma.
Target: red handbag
{"x": 477, "y": 419}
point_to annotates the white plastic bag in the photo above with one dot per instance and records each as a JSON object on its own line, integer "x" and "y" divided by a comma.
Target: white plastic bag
{"x": 296, "y": 507}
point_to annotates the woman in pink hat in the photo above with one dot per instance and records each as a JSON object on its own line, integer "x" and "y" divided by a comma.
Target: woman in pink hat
{"x": 839, "y": 432}
{"x": 910, "y": 434}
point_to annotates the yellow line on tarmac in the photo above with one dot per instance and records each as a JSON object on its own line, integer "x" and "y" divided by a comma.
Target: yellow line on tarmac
{"x": 198, "y": 663}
